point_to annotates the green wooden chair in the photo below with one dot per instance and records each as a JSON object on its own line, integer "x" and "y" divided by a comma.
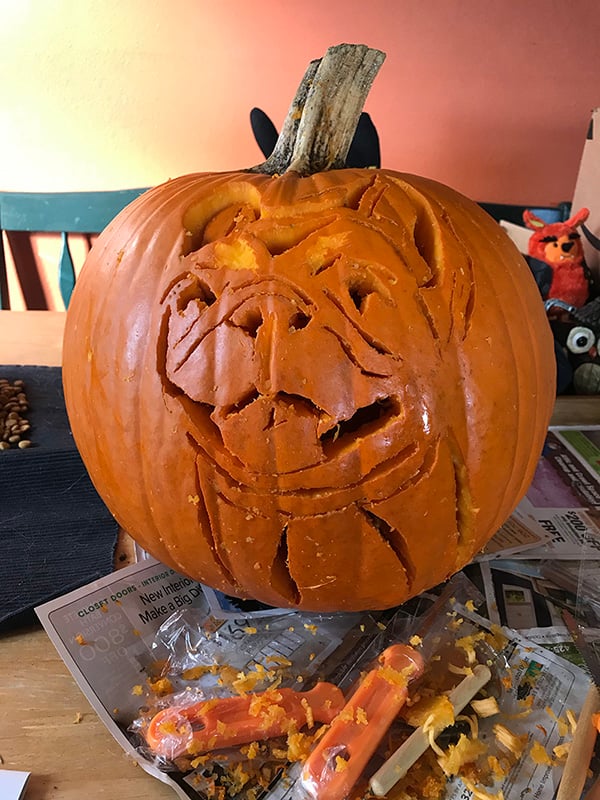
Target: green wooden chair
{"x": 63, "y": 213}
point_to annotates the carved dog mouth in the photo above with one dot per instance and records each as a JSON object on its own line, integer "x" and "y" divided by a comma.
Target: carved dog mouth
{"x": 290, "y": 433}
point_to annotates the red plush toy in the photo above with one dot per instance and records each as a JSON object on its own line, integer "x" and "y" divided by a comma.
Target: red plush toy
{"x": 556, "y": 258}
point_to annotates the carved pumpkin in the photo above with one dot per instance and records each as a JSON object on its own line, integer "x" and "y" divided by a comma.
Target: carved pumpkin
{"x": 323, "y": 392}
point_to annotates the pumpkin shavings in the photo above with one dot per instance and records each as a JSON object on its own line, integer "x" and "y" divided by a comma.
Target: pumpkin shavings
{"x": 538, "y": 754}
{"x": 514, "y": 743}
{"x": 487, "y": 707}
{"x": 194, "y": 673}
{"x": 340, "y": 764}
{"x": 561, "y": 751}
{"x": 438, "y": 707}
{"x": 160, "y": 686}
{"x": 463, "y": 752}
{"x": 299, "y": 746}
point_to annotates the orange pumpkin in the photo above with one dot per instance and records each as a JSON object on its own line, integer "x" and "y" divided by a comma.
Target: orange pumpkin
{"x": 323, "y": 392}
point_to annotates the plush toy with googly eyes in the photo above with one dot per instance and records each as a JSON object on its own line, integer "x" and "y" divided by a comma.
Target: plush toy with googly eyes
{"x": 577, "y": 332}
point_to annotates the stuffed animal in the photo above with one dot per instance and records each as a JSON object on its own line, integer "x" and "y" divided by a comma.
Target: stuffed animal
{"x": 556, "y": 259}
{"x": 577, "y": 341}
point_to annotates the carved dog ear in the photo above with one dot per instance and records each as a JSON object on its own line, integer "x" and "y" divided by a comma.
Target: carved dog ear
{"x": 264, "y": 131}
{"x": 364, "y": 150}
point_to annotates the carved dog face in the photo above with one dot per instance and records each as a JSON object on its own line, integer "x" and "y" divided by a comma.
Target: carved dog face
{"x": 308, "y": 357}
{"x": 301, "y": 357}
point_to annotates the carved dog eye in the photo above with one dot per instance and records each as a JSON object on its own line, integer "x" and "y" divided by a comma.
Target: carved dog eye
{"x": 204, "y": 293}
{"x": 359, "y": 288}
{"x": 190, "y": 289}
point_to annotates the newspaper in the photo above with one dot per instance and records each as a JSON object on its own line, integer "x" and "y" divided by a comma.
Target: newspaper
{"x": 550, "y": 560}
{"x": 560, "y": 515}
{"x": 112, "y": 633}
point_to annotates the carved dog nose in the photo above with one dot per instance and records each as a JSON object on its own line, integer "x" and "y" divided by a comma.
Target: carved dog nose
{"x": 283, "y": 311}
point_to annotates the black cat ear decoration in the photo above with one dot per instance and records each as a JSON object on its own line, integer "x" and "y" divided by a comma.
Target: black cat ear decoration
{"x": 364, "y": 150}
{"x": 264, "y": 131}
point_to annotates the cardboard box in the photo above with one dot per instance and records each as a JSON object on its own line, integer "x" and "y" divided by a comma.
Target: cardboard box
{"x": 587, "y": 191}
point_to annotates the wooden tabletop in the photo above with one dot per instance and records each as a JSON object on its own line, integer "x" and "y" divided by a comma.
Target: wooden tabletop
{"x": 39, "y": 700}
{"x": 31, "y": 337}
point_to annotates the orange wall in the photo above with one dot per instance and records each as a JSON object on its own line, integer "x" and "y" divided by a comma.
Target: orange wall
{"x": 490, "y": 96}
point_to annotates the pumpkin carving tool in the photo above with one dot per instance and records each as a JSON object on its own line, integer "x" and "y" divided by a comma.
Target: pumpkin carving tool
{"x": 417, "y": 743}
{"x": 342, "y": 753}
{"x": 231, "y": 721}
{"x": 582, "y": 747}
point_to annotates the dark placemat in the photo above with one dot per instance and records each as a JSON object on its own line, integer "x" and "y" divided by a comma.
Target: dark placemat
{"x": 56, "y": 534}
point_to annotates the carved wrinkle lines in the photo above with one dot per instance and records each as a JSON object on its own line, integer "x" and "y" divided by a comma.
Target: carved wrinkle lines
{"x": 281, "y": 577}
{"x": 200, "y": 328}
{"x": 207, "y": 530}
{"x": 370, "y": 340}
{"x": 395, "y": 541}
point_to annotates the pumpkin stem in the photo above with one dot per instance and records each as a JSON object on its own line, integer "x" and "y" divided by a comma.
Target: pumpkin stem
{"x": 322, "y": 119}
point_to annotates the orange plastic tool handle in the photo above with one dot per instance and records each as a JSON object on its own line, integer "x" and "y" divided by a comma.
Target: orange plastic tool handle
{"x": 343, "y": 752}
{"x": 231, "y": 721}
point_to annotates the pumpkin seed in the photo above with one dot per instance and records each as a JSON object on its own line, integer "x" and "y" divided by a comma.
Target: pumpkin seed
{"x": 13, "y": 404}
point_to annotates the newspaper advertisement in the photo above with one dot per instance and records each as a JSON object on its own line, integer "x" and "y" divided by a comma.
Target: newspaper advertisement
{"x": 113, "y": 633}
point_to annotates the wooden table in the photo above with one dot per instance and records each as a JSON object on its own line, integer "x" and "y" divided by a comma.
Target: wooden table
{"x": 39, "y": 700}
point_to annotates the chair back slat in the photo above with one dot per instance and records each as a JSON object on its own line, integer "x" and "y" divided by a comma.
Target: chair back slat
{"x": 58, "y": 212}
{"x": 66, "y": 271}
{"x": 73, "y": 212}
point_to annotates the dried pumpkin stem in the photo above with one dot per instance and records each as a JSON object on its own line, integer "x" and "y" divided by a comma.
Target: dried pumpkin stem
{"x": 322, "y": 119}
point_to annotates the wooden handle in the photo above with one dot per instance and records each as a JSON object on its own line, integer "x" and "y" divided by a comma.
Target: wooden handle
{"x": 581, "y": 750}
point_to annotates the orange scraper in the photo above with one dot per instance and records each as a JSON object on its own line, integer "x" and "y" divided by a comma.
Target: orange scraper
{"x": 232, "y": 721}
{"x": 343, "y": 752}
